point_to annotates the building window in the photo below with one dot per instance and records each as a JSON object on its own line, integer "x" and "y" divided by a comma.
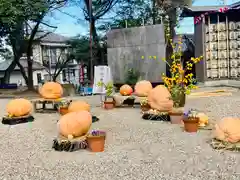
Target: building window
{"x": 53, "y": 54}
{"x": 39, "y": 78}
{"x": 49, "y": 55}
{"x": 73, "y": 72}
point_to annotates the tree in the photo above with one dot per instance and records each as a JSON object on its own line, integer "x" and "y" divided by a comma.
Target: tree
{"x": 62, "y": 62}
{"x": 15, "y": 18}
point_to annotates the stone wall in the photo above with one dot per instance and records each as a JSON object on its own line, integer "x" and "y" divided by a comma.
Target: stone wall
{"x": 127, "y": 46}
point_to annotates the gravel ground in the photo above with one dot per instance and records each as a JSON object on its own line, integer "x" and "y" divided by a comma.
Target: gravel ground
{"x": 135, "y": 149}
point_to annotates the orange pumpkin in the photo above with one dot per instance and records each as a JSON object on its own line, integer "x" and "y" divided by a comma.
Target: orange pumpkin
{"x": 159, "y": 98}
{"x": 19, "y": 107}
{"x": 203, "y": 119}
{"x": 75, "y": 124}
{"x": 51, "y": 90}
{"x": 142, "y": 88}
{"x": 228, "y": 129}
{"x": 76, "y": 106}
{"x": 126, "y": 90}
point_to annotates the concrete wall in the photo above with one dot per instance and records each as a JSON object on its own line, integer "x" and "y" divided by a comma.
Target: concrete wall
{"x": 127, "y": 46}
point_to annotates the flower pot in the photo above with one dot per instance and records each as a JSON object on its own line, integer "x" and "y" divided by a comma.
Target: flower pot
{"x": 96, "y": 143}
{"x": 176, "y": 118}
{"x": 108, "y": 105}
{"x": 63, "y": 110}
{"x": 191, "y": 124}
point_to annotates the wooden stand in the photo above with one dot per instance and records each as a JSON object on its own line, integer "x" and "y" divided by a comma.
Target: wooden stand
{"x": 221, "y": 145}
{"x": 155, "y": 116}
{"x": 123, "y": 101}
{"x": 43, "y": 102}
{"x": 63, "y": 144}
{"x": 17, "y": 120}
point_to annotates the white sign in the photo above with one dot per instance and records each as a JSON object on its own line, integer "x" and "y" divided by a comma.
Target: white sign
{"x": 101, "y": 73}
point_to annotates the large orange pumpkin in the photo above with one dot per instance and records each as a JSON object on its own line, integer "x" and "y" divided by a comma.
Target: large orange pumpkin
{"x": 228, "y": 129}
{"x": 51, "y": 90}
{"x": 142, "y": 88}
{"x": 19, "y": 107}
{"x": 159, "y": 98}
{"x": 75, "y": 124}
{"x": 76, "y": 106}
{"x": 126, "y": 90}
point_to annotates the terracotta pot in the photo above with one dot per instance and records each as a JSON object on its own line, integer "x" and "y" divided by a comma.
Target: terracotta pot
{"x": 108, "y": 105}
{"x": 96, "y": 143}
{"x": 63, "y": 110}
{"x": 176, "y": 118}
{"x": 145, "y": 107}
{"x": 191, "y": 124}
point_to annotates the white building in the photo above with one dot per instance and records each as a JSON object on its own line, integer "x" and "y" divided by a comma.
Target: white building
{"x": 46, "y": 53}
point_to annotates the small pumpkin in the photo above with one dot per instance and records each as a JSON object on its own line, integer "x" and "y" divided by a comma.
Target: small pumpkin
{"x": 76, "y": 106}
{"x": 142, "y": 88}
{"x": 203, "y": 119}
{"x": 228, "y": 130}
{"x": 19, "y": 107}
{"x": 51, "y": 90}
{"x": 159, "y": 98}
{"x": 126, "y": 90}
{"x": 75, "y": 124}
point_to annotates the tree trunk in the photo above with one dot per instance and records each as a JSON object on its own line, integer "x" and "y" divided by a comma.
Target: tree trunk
{"x": 30, "y": 74}
{"x": 22, "y": 70}
{"x": 154, "y": 14}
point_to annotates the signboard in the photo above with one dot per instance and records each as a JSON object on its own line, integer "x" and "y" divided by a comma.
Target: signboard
{"x": 101, "y": 73}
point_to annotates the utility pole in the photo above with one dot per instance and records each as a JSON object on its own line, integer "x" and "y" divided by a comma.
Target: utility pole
{"x": 90, "y": 40}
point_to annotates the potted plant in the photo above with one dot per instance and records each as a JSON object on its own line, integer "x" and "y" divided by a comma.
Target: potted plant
{"x": 176, "y": 115}
{"x": 191, "y": 121}
{"x": 144, "y": 105}
{"x": 63, "y": 107}
{"x": 181, "y": 80}
{"x": 96, "y": 140}
{"x": 109, "y": 101}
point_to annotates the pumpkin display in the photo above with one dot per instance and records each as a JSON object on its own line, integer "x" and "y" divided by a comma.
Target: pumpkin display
{"x": 75, "y": 124}
{"x": 142, "y": 88}
{"x": 76, "y": 106}
{"x": 51, "y": 90}
{"x": 159, "y": 98}
{"x": 19, "y": 107}
{"x": 203, "y": 119}
{"x": 228, "y": 130}
{"x": 126, "y": 90}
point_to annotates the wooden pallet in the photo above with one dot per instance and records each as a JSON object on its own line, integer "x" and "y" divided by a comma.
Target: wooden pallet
{"x": 17, "y": 120}
{"x": 63, "y": 144}
{"x": 43, "y": 102}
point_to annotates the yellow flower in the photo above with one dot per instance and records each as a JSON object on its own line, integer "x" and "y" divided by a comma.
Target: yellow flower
{"x": 150, "y": 57}
{"x": 142, "y": 57}
{"x": 154, "y": 57}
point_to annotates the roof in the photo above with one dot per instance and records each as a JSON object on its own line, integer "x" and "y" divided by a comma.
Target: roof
{"x": 190, "y": 12}
{"x": 51, "y": 37}
{"x": 5, "y": 64}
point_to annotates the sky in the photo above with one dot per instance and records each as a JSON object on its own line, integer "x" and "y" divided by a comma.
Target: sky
{"x": 72, "y": 26}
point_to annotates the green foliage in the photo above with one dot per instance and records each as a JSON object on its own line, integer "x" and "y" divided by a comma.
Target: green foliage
{"x": 108, "y": 87}
{"x": 132, "y": 76}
